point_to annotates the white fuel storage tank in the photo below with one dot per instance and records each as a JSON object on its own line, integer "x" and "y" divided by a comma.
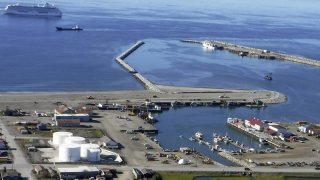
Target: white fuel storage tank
{"x": 69, "y": 152}
{"x": 75, "y": 140}
{"x": 84, "y": 149}
{"x": 93, "y": 155}
{"x": 59, "y": 137}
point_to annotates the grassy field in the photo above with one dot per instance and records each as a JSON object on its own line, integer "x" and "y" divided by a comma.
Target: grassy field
{"x": 83, "y": 132}
{"x": 236, "y": 176}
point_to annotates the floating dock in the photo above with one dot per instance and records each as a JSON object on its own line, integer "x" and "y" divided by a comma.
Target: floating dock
{"x": 120, "y": 60}
{"x": 258, "y": 53}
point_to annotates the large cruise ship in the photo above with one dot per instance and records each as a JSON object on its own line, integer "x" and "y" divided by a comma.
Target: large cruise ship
{"x": 33, "y": 10}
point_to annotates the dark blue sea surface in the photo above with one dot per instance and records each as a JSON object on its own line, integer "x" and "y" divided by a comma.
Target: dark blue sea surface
{"x": 36, "y": 58}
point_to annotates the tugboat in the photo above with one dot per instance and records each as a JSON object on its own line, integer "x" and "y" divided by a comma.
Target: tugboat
{"x": 76, "y": 28}
{"x": 268, "y": 77}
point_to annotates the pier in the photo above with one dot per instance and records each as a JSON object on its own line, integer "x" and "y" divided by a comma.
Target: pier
{"x": 258, "y": 53}
{"x": 227, "y": 155}
{"x": 120, "y": 60}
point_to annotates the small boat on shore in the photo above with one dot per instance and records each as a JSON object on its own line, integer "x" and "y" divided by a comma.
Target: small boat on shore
{"x": 76, "y": 28}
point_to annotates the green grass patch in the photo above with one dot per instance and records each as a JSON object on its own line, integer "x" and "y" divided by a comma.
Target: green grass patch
{"x": 233, "y": 176}
{"x": 192, "y": 175}
{"x": 44, "y": 134}
{"x": 83, "y": 132}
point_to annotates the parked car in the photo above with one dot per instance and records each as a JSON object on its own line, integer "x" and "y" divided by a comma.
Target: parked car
{"x": 148, "y": 146}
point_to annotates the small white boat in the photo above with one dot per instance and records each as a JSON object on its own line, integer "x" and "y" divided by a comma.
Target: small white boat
{"x": 150, "y": 117}
{"x": 263, "y": 141}
{"x": 227, "y": 141}
{"x": 192, "y": 139}
{"x": 217, "y": 139}
{"x": 198, "y": 135}
{"x": 208, "y": 45}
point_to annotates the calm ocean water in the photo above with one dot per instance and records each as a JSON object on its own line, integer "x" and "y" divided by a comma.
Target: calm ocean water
{"x": 34, "y": 57}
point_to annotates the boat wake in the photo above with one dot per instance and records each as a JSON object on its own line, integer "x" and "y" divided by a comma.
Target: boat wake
{"x": 99, "y": 30}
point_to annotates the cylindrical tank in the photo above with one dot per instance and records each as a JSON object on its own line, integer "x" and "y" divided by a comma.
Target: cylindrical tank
{"x": 59, "y": 137}
{"x": 69, "y": 152}
{"x": 75, "y": 140}
{"x": 93, "y": 155}
{"x": 84, "y": 149}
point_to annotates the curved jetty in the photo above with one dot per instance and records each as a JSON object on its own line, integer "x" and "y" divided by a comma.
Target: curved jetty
{"x": 257, "y": 53}
{"x": 199, "y": 96}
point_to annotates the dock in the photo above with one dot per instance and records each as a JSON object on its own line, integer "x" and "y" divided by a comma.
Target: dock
{"x": 258, "y": 53}
{"x": 227, "y": 155}
{"x": 144, "y": 81}
{"x": 252, "y": 134}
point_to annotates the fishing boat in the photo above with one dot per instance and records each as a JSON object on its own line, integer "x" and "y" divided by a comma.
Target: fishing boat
{"x": 76, "y": 28}
{"x": 192, "y": 139}
{"x": 208, "y": 45}
{"x": 268, "y": 76}
{"x": 217, "y": 139}
{"x": 198, "y": 135}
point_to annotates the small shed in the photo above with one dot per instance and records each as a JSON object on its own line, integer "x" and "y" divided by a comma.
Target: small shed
{"x": 304, "y": 128}
{"x": 40, "y": 170}
{"x": 3, "y": 145}
{"x": 108, "y": 143}
{"x": 41, "y": 126}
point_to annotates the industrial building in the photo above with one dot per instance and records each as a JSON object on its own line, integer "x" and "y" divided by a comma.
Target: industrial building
{"x": 79, "y": 172}
{"x": 63, "y": 117}
{"x": 68, "y": 122}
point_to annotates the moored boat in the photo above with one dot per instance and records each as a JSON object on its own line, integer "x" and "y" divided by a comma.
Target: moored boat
{"x": 263, "y": 141}
{"x": 268, "y": 76}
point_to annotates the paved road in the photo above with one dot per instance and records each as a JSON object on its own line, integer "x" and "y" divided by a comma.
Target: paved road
{"x": 19, "y": 163}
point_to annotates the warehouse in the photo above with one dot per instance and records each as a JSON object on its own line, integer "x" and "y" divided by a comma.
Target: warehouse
{"x": 78, "y": 172}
